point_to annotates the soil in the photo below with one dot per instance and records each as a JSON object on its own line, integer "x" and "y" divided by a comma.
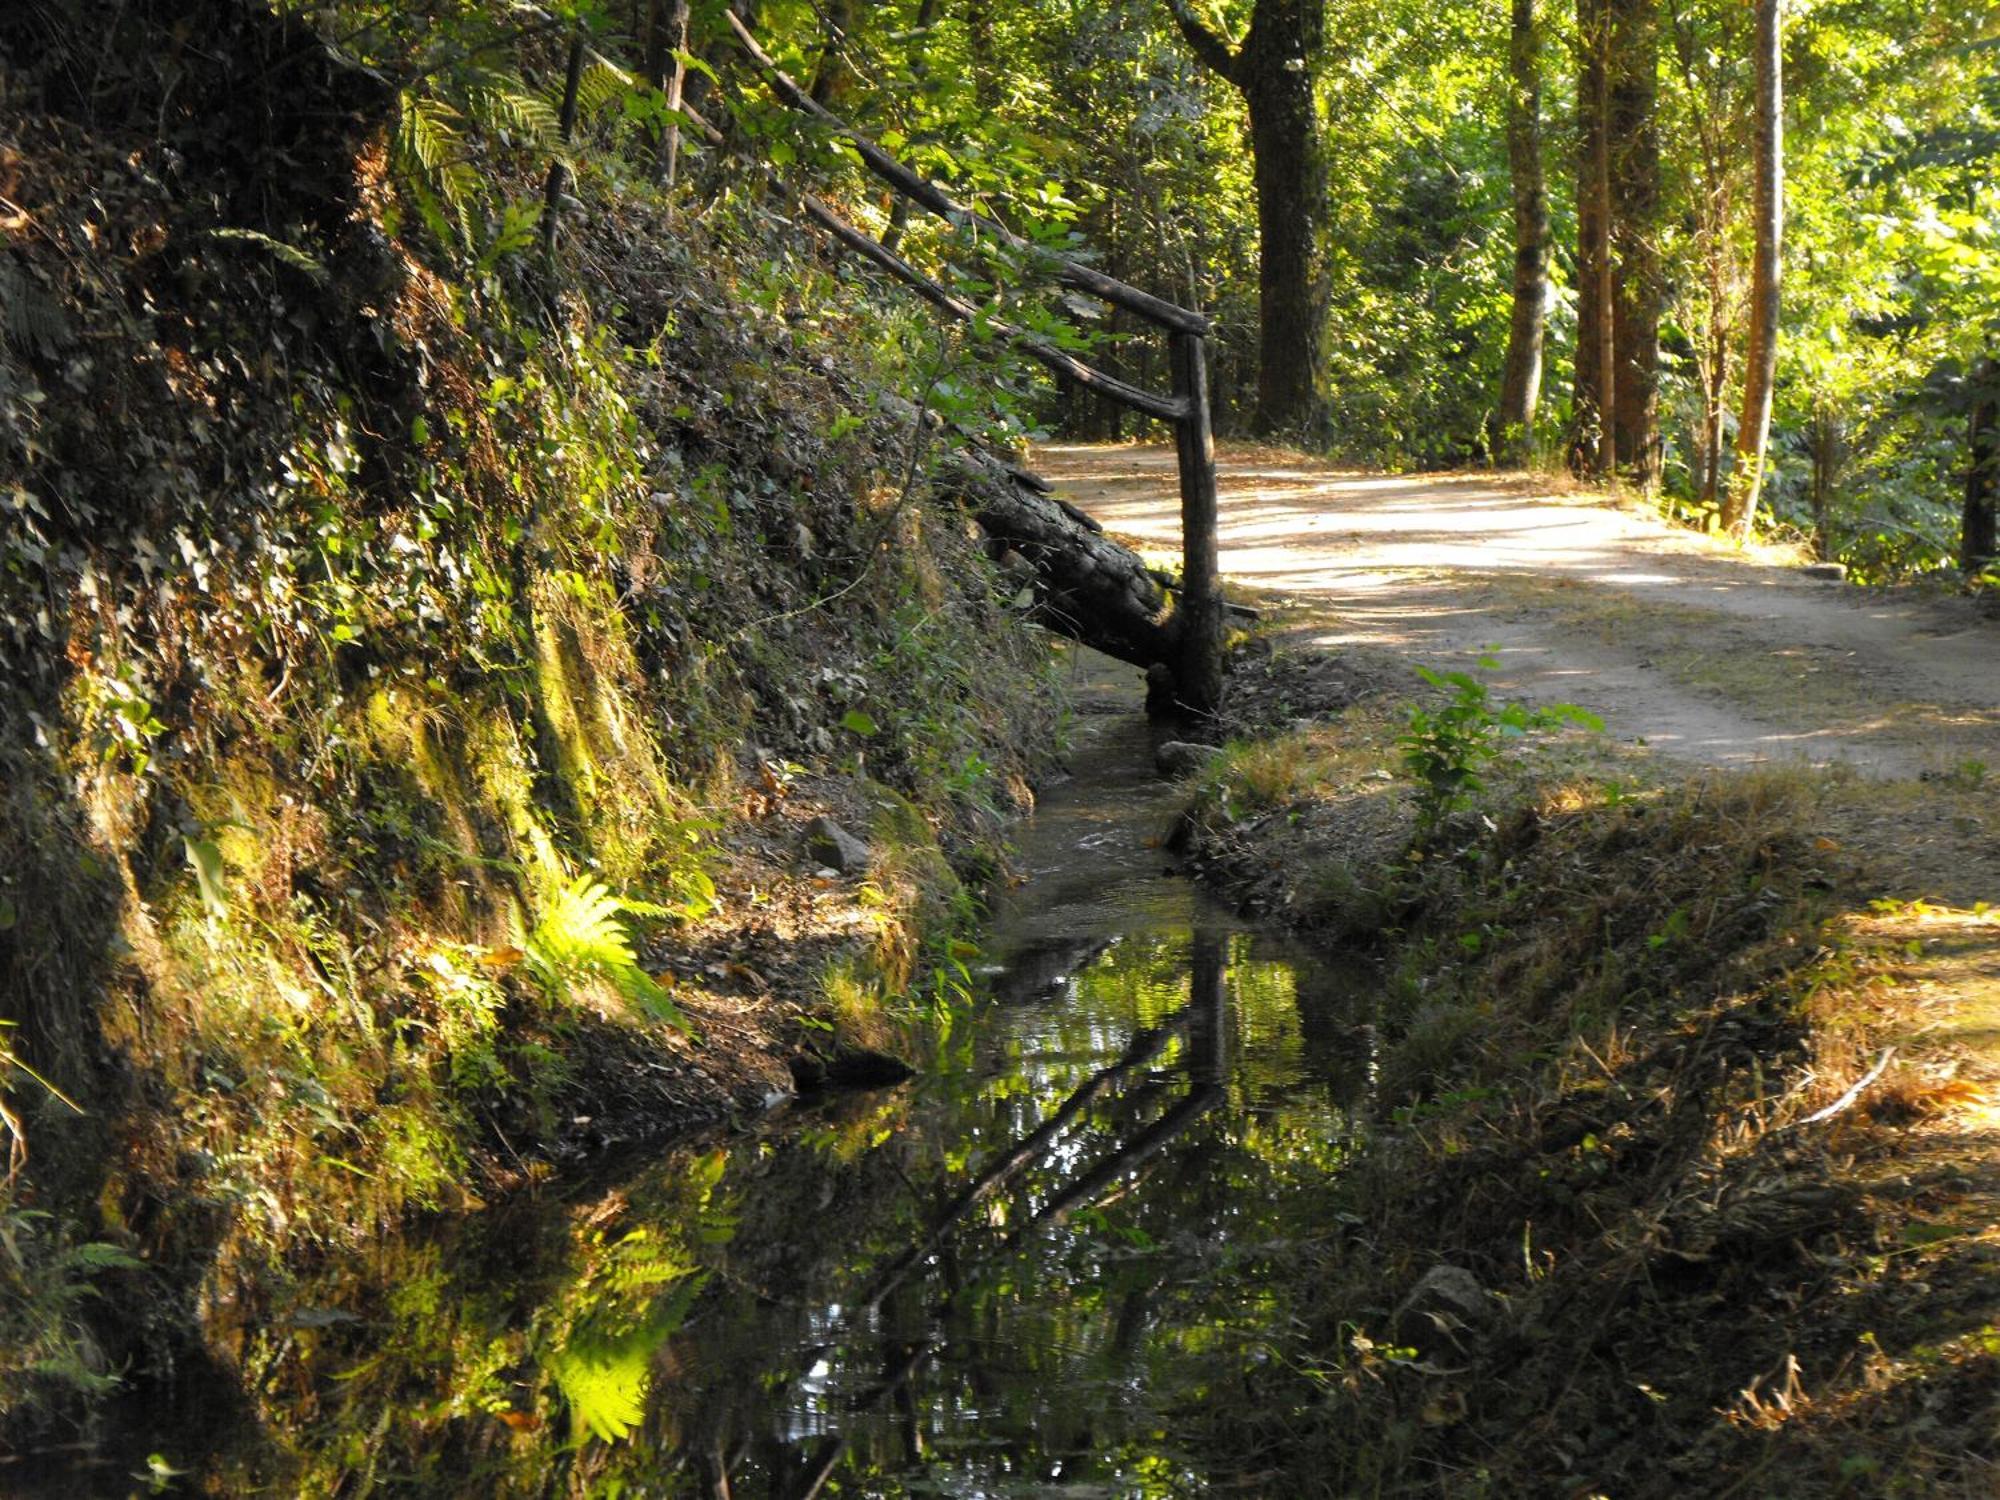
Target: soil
{"x": 1696, "y": 649}
{"x": 1698, "y": 657}
{"x": 1688, "y": 648}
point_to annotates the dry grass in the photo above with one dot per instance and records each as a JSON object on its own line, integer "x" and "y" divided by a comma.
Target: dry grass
{"x": 1706, "y": 1114}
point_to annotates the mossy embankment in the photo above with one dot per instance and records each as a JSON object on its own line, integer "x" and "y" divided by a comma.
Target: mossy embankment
{"x": 421, "y": 661}
{"x": 1677, "y": 1175}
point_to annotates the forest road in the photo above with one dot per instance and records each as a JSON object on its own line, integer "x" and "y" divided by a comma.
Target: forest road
{"x": 1699, "y": 651}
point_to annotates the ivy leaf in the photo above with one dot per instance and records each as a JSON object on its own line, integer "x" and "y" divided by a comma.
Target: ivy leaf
{"x": 204, "y": 856}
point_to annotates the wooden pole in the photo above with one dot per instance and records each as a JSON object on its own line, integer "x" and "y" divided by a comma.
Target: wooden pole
{"x": 1198, "y": 673}
{"x": 1607, "y": 286}
{"x": 553, "y": 192}
{"x": 677, "y": 29}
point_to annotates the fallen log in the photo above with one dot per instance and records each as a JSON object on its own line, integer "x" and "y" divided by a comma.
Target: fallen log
{"x": 1086, "y": 586}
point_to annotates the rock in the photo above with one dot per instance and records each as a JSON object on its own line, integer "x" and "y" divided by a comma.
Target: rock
{"x": 1180, "y": 758}
{"x": 1444, "y": 1313}
{"x": 865, "y": 1068}
{"x": 1831, "y": 572}
{"x": 836, "y": 848}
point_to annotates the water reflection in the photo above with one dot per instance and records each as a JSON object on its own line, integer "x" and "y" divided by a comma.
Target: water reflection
{"x": 1004, "y": 1279}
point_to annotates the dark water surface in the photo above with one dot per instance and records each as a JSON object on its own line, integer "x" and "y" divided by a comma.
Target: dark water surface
{"x": 1005, "y": 1278}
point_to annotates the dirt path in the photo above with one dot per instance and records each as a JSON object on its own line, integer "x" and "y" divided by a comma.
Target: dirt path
{"x": 1699, "y": 651}
{"x": 1695, "y": 650}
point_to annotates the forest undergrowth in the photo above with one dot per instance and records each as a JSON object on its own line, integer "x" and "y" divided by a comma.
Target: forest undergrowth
{"x": 1678, "y": 1174}
{"x": 424, "y": 652}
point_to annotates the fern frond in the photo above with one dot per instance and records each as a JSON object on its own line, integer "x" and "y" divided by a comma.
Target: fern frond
{"x": 430, "y": 145}
{"x": 581, "y": 932}
{"x": 506, "y": 106}
{"x": 277, "y": 249}
{"x": 580, "y": 927}
{"x": 430, "y": 132}
{"x": 601, "y": 83}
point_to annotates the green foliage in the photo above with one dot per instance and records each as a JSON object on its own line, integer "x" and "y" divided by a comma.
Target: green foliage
{"x": 1445, "y": 748}
{"x": 47, "y": 1355}
{"x": 580, "y": 934}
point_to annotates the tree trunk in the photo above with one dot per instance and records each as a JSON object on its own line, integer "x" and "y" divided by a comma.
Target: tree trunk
{"x": 1521, "y": 380}
{"x": 1978, "y": 546}
{"x": 1715, "y": 372}
{"x": 829, "y": 80}
{"x": 1274, "y": 69}
{"x": 1593, "y": 220}
{"x": 920, "y": 41}
{"x": 1761, "y": 360}
{"x": 1826, "y": 459}
{"x": 1290, "y": 174}
{"x": 1711, "y": 200}
{"x": 1086, "y": 586}
{"x": 1633, "y": 112}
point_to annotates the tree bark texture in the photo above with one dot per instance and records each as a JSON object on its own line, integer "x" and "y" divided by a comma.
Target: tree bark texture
{"x": 1618, "y": 258}
{"x": 1635, "y": 215}
{"x": 1087, "y": 587}
{"x": 830, "y": 74}
{"x": 1521, "y": 378}
{"x": 1978, "y": 545}
{"x": 1760, "y": 364}
{"x": 1593, "y": 218}
{"x": 1274, "y": 68}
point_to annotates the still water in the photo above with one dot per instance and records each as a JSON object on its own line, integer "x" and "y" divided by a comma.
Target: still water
{"x": 1017, "y": 1275}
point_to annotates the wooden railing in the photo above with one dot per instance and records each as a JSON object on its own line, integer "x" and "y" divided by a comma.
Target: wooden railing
{"x": 1199, "y": 614}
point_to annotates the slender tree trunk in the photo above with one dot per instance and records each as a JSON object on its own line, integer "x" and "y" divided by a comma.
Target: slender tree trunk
{"x": 1274, "y": 69}
{"x": 1826, "y": 459}
{"x": 1593, "y": 218}
{"x": 1715, "y": 385}
{"x": 829, "y": 80}
{"x": 672, "y": 37}
{"x": 1978, "y": 545}
{"x": 1632, "y": 74}
{"x": 558, "y": 179}
{"x": 985, "y": 61}
{"x": 1711, "y": 197}
{"x": 920, "y": 70}
{"x": 1604, "y": 247}
{"x": 1760, "y": 363}
{"x": 1521, "y": 379}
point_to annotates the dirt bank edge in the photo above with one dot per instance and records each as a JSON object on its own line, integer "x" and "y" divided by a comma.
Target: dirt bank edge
{"x": 1676, "y": 1177}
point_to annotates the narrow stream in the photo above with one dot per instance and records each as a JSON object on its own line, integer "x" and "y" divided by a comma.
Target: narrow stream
{"x": 1005, "y": 1278}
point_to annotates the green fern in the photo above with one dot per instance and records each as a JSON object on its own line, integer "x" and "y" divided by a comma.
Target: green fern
{"x": 502, "y": 105}
{"x": 430, "y": 147}
{"x": 602, "y": 83}
{"x": 581, "y": 934}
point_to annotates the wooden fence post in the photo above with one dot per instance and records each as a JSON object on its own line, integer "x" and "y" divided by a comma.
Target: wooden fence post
{"x": 1198, "y": 674}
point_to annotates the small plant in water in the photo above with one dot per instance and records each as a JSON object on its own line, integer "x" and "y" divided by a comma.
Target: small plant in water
{"x": 1445, "y": 748}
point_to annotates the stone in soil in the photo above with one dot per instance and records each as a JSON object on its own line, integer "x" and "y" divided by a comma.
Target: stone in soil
{"x": 833, "y": 846}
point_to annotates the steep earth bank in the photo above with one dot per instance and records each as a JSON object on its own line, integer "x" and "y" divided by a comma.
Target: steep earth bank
{"x": 423, "y": 664}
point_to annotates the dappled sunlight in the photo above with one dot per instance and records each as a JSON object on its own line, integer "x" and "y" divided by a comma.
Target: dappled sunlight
{"x": 1681, "y": 642}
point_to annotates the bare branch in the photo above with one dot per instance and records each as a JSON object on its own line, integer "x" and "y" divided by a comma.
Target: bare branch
{"x": 1210, "y": 50}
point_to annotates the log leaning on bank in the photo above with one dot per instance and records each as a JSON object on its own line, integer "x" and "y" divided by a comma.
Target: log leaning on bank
{"x": 1087, "y": 587}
